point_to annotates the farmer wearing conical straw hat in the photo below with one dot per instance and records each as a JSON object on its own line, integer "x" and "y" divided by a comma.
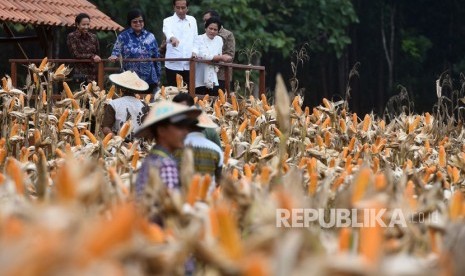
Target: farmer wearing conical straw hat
{"x": 128, "y": 107}
{"x": 168, "y": 124}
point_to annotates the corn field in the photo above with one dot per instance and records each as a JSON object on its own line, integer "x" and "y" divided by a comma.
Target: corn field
{"x": 67, "y": 204}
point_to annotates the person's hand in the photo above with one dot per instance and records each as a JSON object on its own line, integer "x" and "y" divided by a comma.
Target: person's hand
{"x": 112, "y": 58}
{"x": 96, "y": 58}
{"x": 226, "y": 58}
{"x": 174, "y": 41}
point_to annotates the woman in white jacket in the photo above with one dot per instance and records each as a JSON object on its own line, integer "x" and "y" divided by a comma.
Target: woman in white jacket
{"x": 209, "y": 46}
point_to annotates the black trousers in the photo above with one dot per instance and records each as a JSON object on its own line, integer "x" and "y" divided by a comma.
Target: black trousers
{"x": 202, "y": 90}
{"x": 171, "y": 76}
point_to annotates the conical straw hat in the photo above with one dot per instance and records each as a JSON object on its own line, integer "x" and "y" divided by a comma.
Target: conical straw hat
{"x": 129, "y": 80}
{"x": 162, "y": 110}
{"x": 205, "y": 121}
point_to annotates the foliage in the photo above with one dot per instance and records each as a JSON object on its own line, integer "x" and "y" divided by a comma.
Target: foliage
{"x": 278, "y": 25}
{"x": 284, "y": 25}
{"x": 415, "y": 46}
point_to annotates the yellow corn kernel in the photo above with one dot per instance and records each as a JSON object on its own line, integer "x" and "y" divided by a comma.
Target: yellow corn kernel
{"x": 224, "y": 136}
{"x": 60, "y": 153}
{"x": 344, "y": 239}
{"x": 75, "y": 104}
{"x": 455, "y": 206}
{"x": 427, "y": 118}
{"x": 253, "y": 136}
{"x": 193, "y": 192}
{"x": 107, "y": 139}
{"x": 414, "y": 124}
{"x": 312, "y": 186}
{"x": 68, "y": 92}
{"x": 125, "y": 129}
{"x": 277, "y": 131}
{"x": 37, "y": 137}
{"x": 361, "y": 184}
{"x": 247, "y": 172}
{"x": 5, "y": 84}
{"x": 326, "y": 123}
{"x": 319, "y": 141}
{"x": 342, "y": 125}
{"x": 227, "y": 153}
{"x": 442, "y": 157}
{"x": 77, "y": 137}
{"x": 265, "y": 175}
{"x": 366, "y": 122}
{"x": 14, "y": 130}
{"x": 134, "y": 160}
{"x": 62, "y": 119}
{"x": 254, "y": 111}
{"x": 13, "y": 170}
{"x": 354, "y": 120}
{"x": 42, "y": 64}
{"x": 338, "y": 181}
{"x": 60, "y": 70}
{"x": 229, "y": 238}
{"x": 24, "y": 155}
{"x": 91, "y": 136}
{"x": 204, "y": 187}
{"x": 327, "y": 139}
{"x": 179, "y": 81}
{"x": 380, "y": 181}
{"x": 221, "y": 96}
{"x": 217, "y": 108}
{"x": 296, "y": 105}
{"x": 3, "y": 155}
{"x": 235, "y": 106}
{"x": 243, "y": 125}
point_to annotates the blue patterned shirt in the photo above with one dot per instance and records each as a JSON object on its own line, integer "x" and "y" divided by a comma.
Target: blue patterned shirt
{"x": 130, "y": 45}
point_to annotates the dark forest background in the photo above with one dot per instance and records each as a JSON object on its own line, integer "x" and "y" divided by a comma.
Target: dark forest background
{"x": 396, "y": 44}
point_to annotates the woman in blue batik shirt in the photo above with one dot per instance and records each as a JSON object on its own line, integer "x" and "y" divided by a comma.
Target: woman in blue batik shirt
{"x": 137, "y": 42}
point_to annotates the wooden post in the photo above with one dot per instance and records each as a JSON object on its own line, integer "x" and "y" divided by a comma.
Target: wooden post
{"x": 227, "y": 79}
{"x": 100, "y": 75}
{"x": 192, "y": 77}
{"x": 262, "y": 82}
{"x": 14, "y": 74}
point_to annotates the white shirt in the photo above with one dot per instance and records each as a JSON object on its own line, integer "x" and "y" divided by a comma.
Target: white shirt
{"x": 127, "y": 106}
{"x": 206, "y": 49}
{"x": 185, "y": 30}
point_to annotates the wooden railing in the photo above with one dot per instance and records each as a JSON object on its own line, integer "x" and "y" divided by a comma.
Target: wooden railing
{"x": 102, "y": 69}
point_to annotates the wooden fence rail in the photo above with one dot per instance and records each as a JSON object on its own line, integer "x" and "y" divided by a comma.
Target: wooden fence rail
{"x": 102, "y": 69}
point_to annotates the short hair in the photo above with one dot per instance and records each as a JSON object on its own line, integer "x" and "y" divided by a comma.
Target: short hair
{"x": 81, "y": 16}
{"x": 184, "y": 97}
{"x": 212, "y": 13}
{"x": 213, "y": 20}
{"x": 134, "y": 14}
{"x": 174, "y": 2}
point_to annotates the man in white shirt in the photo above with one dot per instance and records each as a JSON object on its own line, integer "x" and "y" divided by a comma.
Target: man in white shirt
{"x": 180, "y": 31}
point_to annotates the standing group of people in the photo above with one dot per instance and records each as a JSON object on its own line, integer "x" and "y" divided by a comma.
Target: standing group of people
{"x": 172, "y": 124}
{"x": 217, "y": 44}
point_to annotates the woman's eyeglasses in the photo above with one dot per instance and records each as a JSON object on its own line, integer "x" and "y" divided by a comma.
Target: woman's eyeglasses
{"x": 137, "y": 21}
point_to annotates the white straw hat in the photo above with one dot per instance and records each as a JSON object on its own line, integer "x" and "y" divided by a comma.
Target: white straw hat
{"x": 205, "y": 121}
{"x": 129, "y": 80}
{"x": 162, "y": 110}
